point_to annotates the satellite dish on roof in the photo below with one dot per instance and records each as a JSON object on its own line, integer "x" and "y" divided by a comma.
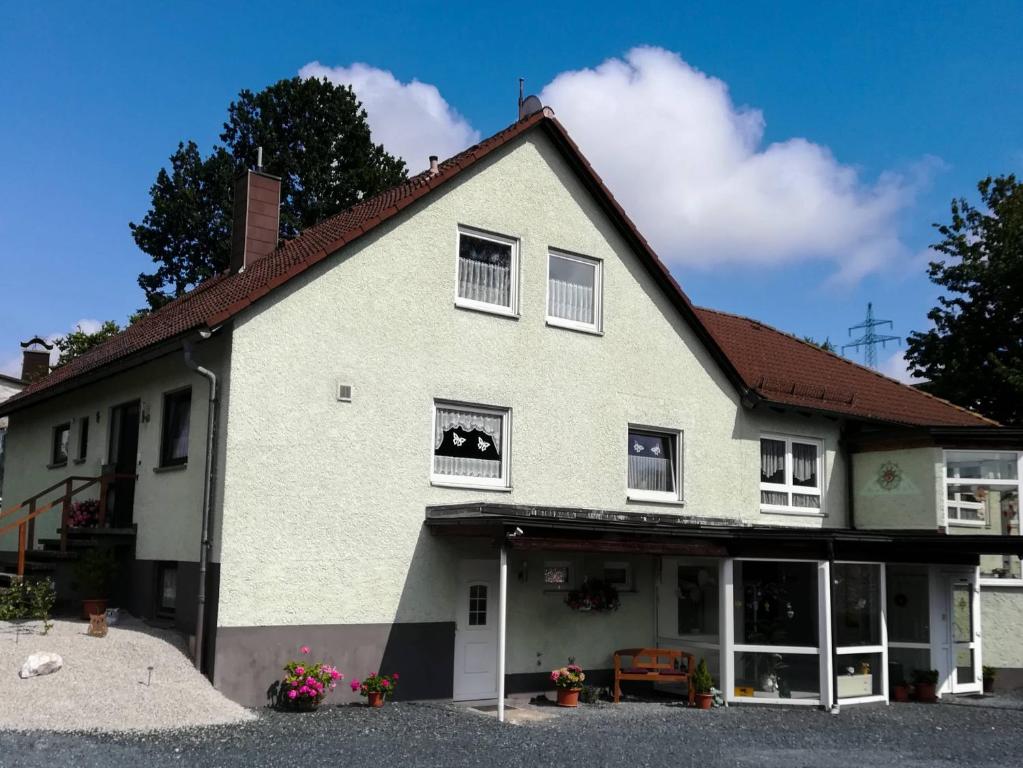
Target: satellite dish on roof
{"x": 530, "y": 105}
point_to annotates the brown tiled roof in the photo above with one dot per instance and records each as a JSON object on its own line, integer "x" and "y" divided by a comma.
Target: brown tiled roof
{"x": 738, "y": 345}
{"x": 787, "y": 370}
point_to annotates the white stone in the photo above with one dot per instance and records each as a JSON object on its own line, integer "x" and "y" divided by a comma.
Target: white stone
{"x": 41, "y": 664}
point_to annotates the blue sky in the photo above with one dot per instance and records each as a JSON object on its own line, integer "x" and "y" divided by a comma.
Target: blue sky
{"x": 861, "y": 119}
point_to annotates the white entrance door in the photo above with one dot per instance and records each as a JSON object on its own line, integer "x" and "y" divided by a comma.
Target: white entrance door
{"x": 964, "y": 637}
{"x": 476, "y": 631}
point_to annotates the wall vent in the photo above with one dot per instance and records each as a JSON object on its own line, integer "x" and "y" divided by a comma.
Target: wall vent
{"x": 344, "y": 393}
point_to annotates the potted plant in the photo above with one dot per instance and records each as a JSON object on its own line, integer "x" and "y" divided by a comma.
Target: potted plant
{"x": 84, "y": 514}
{"x": 900, "y": 690}
{"x": 93, "y": 572}
{"x": 568, "y": 681}
{"x": 306, "y": 684}
{"x": 925, "y": 683}
{"x": 989, "y": 673}
{"x": 376, "y": 688}
{"x": 702, "y": 683}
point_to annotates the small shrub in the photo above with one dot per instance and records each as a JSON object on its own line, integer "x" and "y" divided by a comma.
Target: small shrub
{"x": 84, "y": 514}
{"x": 988, "y": 673}
{"x": 702, "y": 681}
{"x": 375, "y": 683}
{"x": 591, "y": 694}
{"x": 925, "y": 677}
{"x": 94, "y": 571}
{"x": 28, "y": 600}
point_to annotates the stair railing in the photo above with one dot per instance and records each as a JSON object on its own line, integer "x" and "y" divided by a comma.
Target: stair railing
{"x": 26, "y": 523}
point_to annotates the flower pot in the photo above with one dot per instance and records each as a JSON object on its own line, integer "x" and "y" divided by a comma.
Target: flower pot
{"x": 925, "y": 693}
{"x": 305, "y": 704}
{"x": 900, "y": 693}
{"x": 704, "y": 700}
{"x": 93, "y": 606}
{"x": 568, "y": 697}
{"x": 989, "y": 685}
{"x": 375, "y": 698}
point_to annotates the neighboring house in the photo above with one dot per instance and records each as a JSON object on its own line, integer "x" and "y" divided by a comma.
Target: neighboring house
{"x": 436, "y": 413}
{"x": 9, "y": 386}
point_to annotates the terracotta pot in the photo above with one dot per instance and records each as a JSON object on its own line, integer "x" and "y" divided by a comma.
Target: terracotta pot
{"x": 925, "y": 693}
{"x": 305, "y": 704}
{"x": 568, "y": 697}
{"x": 704, "y": 700}
{"x": 375, "y": 698}
{"x": 989, "y": 685}
{"x": 900, "y": 693}
{"x": 93, "y": 606}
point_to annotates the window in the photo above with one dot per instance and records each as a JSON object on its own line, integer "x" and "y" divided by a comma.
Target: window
{"x": 697, "y": 595}
{"x": 58, "y": 452}
{"x": 487, "y": 272}
{"x": 83, "y": 438}
{"x": 470, "y": 445}
{"x": 654, "y": 467}
{"x": 856, "y": 598}
{"x": 573, "y": 291}
{"x": 618, "y": 575}
{"x": 177, "y": 408}
{"x": 478, "y": 605}
{"x": 982, "y": 490}
{"x": 790, "y": 475}
{"x": 166, "y": 590}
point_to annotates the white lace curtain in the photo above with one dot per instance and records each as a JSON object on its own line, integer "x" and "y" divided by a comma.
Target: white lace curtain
{"x": 804, "y": 464}
{"x": 485, "y": 277}
{"x": 179, "y": 423}
{"x": 468, "y": 421}
{"x": 772, "y": 460}
{"x": 570, "y": 301}
{"x": 650, "y": 473}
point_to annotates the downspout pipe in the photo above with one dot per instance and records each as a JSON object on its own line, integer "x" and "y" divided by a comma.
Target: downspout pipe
{"x": 207, "y": 497}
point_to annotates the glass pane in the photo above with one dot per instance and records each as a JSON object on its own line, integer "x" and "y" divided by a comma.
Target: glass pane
{"x": 962, "y": 613}
{"x": 60, "y": 443}
{"x": 856, "y": 591}
{"x": 177, "y": 408}
{"x": 964, "y": 666}
{"x": 903, "y": 661}
{"x": 777, "y": 498}
{"x": 467, "y": 443}
{"x": 804, "y": 465}
{"x": 698, "y": 602}
{"x": 484, "y": 270}
{"x": 168, "y": 588}
{"x": 777, "y": 676}
{"x": 806, "y": 500}
{"x": 772, "y": 461}
{"x": 571, "y": 289}
{"x": 555, "y": 574}
{"x": 478, "y": 605}
{"x": 908, "y": 606}
{"x": 981, "y": 466}
{"x": 651, "y": 461}
{"x": 859, "y": 674}
{"x": 978, "y": 508}
{"x": 776, "y": 603}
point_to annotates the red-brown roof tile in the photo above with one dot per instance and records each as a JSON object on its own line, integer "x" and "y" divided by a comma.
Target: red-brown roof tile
{"x": 768, "y": 363}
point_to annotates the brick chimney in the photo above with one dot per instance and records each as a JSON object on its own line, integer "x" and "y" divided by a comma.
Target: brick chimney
{"x": 35, "y": 359}
{"x": 257, "y": 215}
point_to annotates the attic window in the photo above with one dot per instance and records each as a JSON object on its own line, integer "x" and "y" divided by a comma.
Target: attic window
{"x": 488, "y": 272}
{"x": 470, "y": 446}
{"x": 790, "y": 475}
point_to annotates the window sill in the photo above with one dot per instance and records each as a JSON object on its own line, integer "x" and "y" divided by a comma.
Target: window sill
{"x": 553, "y": 322}
{"x": 639, "y": 497}
{"x": 966, "y": 523}
{"x": 1017, "y": 583}
{"x": 470, "y": 486}
{"x": 170, "y": 468}
{"x": 79, "y": 461}
{"x": 791, "y": 512}
{"x": 57, "y": 465}
{"x": 488, "y": 310}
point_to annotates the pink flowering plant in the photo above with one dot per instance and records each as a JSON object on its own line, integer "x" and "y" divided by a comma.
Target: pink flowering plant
{"x": 375, "y": 683}
{"x": 307, "y": 683}
{"x": 570, "y": 677}
{"x": 84, "y": 514}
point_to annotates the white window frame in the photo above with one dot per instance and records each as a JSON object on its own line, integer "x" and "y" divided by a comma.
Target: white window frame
{"x": 656, "y": 497}
{"x": 597, "y": 326}
{"x": 569, "y": 584}
{"x": 873, "y": 649}
{"x": 788, "y": 487}
{"x": 482, "y": 306}
{"x": 502, "y": 483}
{"x": 957, "y": 523}
{"x": 628, "y": 585}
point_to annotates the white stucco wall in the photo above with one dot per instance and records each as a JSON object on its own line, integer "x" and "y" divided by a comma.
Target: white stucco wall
{"x": 915, "y": 501}
{"x": 1001, "y": 616}
{"x": 167, "y": 507}
{"x": 324, "y": 501}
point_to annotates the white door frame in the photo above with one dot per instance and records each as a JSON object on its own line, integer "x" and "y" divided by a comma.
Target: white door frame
{"x": 971, "y": 579}
{"x": 474, "y": 572}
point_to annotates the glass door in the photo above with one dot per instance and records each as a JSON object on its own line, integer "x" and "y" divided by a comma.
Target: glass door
{"x": 964, "y": 648}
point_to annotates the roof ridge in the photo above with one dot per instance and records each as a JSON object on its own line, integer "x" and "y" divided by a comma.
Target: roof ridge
{"x": 847, "y": 361}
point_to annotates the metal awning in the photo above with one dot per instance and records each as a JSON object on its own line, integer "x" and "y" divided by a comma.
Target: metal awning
{"x": 530, "y": 527}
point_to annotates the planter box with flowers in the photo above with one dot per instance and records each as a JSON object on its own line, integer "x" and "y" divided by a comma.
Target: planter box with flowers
{"x": 84, "y": 514}
{"x": 568, "y": 681}
{"x": 594, "y": 595}
{"x": 376, "y": 688}
{"x": 306, "y": 684}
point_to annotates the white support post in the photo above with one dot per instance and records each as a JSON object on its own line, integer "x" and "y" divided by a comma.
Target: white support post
{"x": 502, "y": 600}
{"x": 825, "y": 639}
{"x": 726, "y": 624}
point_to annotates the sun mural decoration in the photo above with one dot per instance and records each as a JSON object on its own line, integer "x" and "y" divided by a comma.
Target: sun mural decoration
{"x": 889, "y": 476}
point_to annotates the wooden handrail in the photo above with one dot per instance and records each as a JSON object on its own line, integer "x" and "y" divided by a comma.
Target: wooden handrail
{"x": 64, "y": 500}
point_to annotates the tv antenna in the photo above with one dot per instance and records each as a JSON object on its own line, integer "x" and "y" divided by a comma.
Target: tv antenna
{"x": 870, "y": 340}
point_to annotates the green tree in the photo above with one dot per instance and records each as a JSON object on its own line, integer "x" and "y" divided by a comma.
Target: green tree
{"x": 826, "y": 345}
{"x": 79, "y": 341}
{"x": 973, "y": 355}
{"x": 314, "y": 135}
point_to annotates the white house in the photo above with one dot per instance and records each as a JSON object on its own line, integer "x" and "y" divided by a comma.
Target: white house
{"x": 405, "y": 436}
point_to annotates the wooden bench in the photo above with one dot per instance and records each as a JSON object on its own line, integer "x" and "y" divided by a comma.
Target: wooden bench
{"x": 658, "y": 665}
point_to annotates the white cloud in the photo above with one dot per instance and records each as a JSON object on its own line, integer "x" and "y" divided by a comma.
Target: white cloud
{"x": 897, "y": 368}
{"x": 691, "y": 168}
{"x": 412, "y": 120}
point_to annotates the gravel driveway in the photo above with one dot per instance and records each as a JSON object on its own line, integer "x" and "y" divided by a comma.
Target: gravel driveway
{"x": 902, "y": 735}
